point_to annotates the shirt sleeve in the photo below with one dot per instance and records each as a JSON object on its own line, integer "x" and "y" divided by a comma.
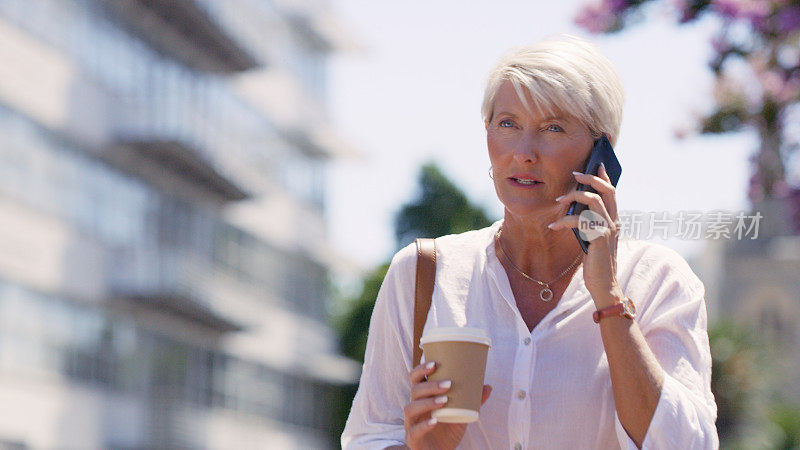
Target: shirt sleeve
{"x": 673, "y": 321}
{"x": 376, "y": 417}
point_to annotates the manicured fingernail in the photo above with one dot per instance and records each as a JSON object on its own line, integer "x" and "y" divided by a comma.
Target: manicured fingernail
{"x": 433, "y": 421}
{"x": 441, "y": 400}
{"x": 559, "y": 198}
{"x": 577, "y": 173}
{"x": 551, "y": 225}
{"x": 603, "y": 166}
{"x": 445, "y": 384}
{"x": 430, "y": 365}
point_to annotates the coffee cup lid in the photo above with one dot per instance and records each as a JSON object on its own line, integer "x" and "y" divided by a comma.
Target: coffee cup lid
{"x": 467, "y": 334}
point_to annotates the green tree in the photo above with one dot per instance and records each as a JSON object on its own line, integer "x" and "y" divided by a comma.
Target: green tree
{"x": 439, "y": 209}
{"x": 787, "y": 418}
{"x": 737, "y": 379}
{"x": 354, "y": 325}
{"x": 745, "y": 380}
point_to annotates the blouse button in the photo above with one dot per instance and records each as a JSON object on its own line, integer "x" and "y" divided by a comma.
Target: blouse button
{"x": 517, "y": 446}
{"x": 521, "y": 395}
{"x": 527, "y": 341}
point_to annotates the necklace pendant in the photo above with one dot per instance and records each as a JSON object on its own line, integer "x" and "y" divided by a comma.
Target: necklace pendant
{"x": 546, "y": 294}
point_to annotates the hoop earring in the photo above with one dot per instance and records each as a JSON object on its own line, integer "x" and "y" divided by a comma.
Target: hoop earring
{"x": 491, "y": 175}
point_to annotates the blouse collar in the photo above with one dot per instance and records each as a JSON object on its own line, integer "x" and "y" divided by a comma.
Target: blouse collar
{"x": 574, "y": 296}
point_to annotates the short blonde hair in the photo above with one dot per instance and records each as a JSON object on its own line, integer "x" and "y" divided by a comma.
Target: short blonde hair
{"x": 562, "y": 73}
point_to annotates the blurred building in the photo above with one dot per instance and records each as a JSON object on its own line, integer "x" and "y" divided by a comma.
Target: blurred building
{"x": 163, "y": 254}
{"x": 756, "y": 282}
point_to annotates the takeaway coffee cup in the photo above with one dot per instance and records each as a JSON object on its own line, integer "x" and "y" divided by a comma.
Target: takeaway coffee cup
{"x": 460, "y": 356}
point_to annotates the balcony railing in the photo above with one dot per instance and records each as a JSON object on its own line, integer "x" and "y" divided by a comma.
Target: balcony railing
{"x": 166, "y": 126}
{"x": 185, "y": 32}
{"x": 166, "y": 280}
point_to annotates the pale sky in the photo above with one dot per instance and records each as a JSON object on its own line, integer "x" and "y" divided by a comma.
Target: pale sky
{"x": 414, "y": 95}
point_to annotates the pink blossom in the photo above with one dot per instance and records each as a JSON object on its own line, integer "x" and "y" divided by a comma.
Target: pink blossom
{"x": 685, "y": 12}
{"x": 720, "y": 43}
{"x": 759, "y": 61}
{"x": 790, "y": 91}
{"x": 760, "y": 23}
{"x": 617, "y": 6}
{"x": 596, "y": 18}
{"x": 771, "y": 82}
{"x": 777, "y": 87}
{"x": 727, "y": 8}
{"x": 755, "y": 11}
{"x": 755, "y": 191}
{"x": 772, "y": 79}
{"x": 781, "y": 189}
{"x": 788, "y": 19}
{"x": 681, "y": 132}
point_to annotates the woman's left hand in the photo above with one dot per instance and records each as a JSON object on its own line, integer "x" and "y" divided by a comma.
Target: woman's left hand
{"x": 600, "y": 264}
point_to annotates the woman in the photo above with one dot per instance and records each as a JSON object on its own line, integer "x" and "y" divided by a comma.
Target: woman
{"x": 555, "y": 378}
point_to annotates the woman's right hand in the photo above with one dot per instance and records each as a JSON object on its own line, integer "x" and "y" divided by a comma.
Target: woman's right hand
{"x": 423, "y": 432}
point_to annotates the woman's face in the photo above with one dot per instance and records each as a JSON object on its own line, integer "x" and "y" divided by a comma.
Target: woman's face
{"x": 524, "y": 145}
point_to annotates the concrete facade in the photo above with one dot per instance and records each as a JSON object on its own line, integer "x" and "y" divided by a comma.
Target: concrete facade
{"x": 756, "y": 282}
{"x": 163, "y": 255}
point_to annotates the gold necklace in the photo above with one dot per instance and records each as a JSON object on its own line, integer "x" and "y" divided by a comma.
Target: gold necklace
{"x": 545, "y": 294}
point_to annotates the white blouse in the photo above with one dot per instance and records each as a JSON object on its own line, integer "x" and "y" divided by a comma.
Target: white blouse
{"x": 551, "y": 386}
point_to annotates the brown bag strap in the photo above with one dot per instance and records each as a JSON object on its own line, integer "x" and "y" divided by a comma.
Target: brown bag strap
{"x": 426, "y": 274}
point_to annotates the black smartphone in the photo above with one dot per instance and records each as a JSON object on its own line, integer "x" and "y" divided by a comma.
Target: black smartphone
{"x": 602, "y": 152}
